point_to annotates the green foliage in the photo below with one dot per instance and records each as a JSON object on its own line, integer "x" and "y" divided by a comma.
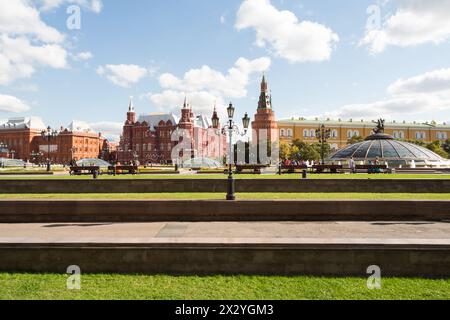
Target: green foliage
{"x": 354, "y": 140}
{"x": 437, "y": 148}
{"x": 163, "y": 287}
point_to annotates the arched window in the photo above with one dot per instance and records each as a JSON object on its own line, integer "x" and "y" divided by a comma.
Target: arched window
{"x": 289, "y": 133}
{"x": 349, "y": 134}
{"x": 401, "y": 135}
{"x": 312, "y": 133}
{"x": 421, "y": 135}
{"x": 334, "y": 134}
{"x": 356, "y": 133}
{"x": 305, "y": 133}
{"x": 282, "y": 132}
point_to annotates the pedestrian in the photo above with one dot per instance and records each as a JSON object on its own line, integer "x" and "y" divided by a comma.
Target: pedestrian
{"x": 352, "y": 165}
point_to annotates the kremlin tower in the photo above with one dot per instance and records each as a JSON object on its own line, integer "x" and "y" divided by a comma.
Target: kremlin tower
{"x": 265, "y": 125}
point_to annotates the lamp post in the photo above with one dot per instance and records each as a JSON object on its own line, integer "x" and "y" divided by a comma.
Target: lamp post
{"x": 3, "y": 148}
{"x": 232, "y": 128}
{"x": 48, "y": 135}
{"x": 72, "y": 151}
{"x": 323, "y": 134}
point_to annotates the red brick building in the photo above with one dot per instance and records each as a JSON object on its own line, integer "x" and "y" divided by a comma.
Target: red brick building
{"x": 149, "y": 138}
{"x": 21, "y": 138}
{"x": 265, "y": 125}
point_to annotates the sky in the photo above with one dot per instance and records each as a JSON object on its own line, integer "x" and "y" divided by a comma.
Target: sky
{"x": 66, "y": 60}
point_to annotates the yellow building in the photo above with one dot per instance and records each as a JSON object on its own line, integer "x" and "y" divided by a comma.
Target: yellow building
{"x": 305, "y": 130}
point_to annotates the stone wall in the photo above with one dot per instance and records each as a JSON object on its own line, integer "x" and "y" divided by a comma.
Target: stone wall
{"x": 44, "y": 211}
{"x": 219, "y": 185}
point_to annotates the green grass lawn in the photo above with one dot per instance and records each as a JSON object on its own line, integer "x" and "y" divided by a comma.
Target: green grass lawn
{"x": 135, "y": 287}
{"x": 242, "y": 176}
{"x": 241, "y": 196}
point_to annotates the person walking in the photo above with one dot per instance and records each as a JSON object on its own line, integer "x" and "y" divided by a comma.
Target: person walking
{"x": 352, "y": 164}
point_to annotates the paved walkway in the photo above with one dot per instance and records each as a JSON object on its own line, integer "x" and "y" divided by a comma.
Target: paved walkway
{"x": 231, "y": 232}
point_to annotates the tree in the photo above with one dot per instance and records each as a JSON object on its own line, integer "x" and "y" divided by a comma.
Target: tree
{"x": 446, "y": 147}
{"x": 355, "y": 139}
{"x": 285, "y": 150}
{"x": 306, "y": 152}
{"x": 437, "y": 148}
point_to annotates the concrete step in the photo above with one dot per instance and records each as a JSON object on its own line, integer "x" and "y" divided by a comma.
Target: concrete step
{"x": 322, "y": 249}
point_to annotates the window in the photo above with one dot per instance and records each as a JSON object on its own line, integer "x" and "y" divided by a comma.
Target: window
{"x": 401, "y": 135}
{"x": 356, "y": 133}
{"x": 349, "y": 134}
{"x": 420, "y": 135}
{"x": 334, "y": 134}
{"x": 395, "y": 134}
{"x": 305, "y": 133}
{"x": 312, "y": 133}
{"x": 289, "y": 133}
{"x": 282, "y": 132}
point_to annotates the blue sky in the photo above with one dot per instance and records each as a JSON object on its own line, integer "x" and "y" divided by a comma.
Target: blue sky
{"x": 319, "y": 56}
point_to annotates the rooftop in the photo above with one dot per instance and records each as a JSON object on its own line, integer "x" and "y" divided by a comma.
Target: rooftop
{"x": 353, "y": 122}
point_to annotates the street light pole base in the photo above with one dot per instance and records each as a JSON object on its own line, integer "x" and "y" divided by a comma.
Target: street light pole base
{"x": 230, "y": 194}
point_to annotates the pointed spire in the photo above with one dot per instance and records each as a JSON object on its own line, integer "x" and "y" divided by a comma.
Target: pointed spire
{"x": 185, "y": 101}
{"x": 131, "y": 106}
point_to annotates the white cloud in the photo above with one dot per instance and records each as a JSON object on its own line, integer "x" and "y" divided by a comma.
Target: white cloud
{"x": 109, "y": 130}
{"x": 18, "y": 58}
{"x": 430, "y": 82}
{"x": 201, "y": 101}
{"x": 26, "y": 42}
{"x": 83, "y": 56}
{"x": 18, "y": 17}
{"x": 12, "y": 104}
{"x": 233, "y": 84}
{"x": 415, "y": 22}
{"x": 93, "y": 5}
{"x": 284, "y": 34}
{"x": 423, "y": 94}
{"x": 206, "y": 87}
{"x": 123, "y": 75}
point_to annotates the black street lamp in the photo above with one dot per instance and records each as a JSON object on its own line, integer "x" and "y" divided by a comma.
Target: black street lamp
{"x": 48, "y": 135}
{"x": 73, "y": 150}
{"x": 323, "y": 134}
{"x": 232, "y": 128}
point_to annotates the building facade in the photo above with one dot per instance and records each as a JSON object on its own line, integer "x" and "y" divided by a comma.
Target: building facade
{"x": 151, "y": 138}
{"x": 341, "y": 131}
{"x": 21, "y": 139}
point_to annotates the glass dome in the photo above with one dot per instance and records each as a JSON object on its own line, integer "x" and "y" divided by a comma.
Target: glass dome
{"x": 386, "y": 149}
{"x": 11, "y": 163}
{"x": 202, "y": 163}
{"x": 93, "y": 163}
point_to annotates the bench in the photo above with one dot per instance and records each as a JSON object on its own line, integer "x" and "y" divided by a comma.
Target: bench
{"x": 373, "y": 168}
{"x": 75, "y": 170}
{"x": 123, "y": 170}
{"x": 256, "y": 169}
{"x": 292, "y": 168}
{"x": 331, "y": 168}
